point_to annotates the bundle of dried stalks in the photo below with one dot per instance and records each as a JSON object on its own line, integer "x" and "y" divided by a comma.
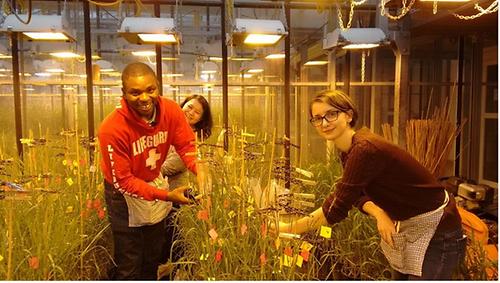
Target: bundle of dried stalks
{"x": 387, "y": 132}
{"x": 429, "y": 140}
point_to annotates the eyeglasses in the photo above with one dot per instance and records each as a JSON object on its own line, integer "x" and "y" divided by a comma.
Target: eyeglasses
{"x": 329, "y": 116}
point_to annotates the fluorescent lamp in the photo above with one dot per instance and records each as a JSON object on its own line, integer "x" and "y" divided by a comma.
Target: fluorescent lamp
{"x": 46, "y": 35}
{"x": 143, "y": 53}
{"x": 208, "y": 72}
{"x": 29, "y": 89}
{"x": 214, "y": 59}
{"x": 105, "y": 88}
{"x": 354, "y": 38}
{"x": 43, "y": 74}
{"x": 245, "y": 76}
{"x": 41, "y": 27}
{"x": 140, "y": 30}
{"x": 241, "y": 58}
{"x": 257, "y": 32}
{"x": 361, "y": 46}
{"x": 276, "y": 56}
{"x": 68, "y": 88}
{"x": 108, "y": 70}
{"x": 261, "y": 39}
{"x": 316, "y": 63}
{"x": 169, "y": 58}
{"x": 157, "y": 38}
{"x": 254, "y": 71}
{"x": 65, "y": 54}
{"x": 54, "y": 70}
{"x": 173, "y": 75}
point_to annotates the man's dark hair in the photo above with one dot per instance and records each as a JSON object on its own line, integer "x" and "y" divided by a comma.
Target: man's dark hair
{"x": 136, "y": 69}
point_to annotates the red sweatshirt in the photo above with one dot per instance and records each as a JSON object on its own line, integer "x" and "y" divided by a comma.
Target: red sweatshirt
{"x": 133, "y": 151}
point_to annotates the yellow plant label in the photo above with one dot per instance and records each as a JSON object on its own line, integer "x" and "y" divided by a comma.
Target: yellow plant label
{"x": 325, "y": 232}
{"x": 277, "y": 243}
{"x": 299, "y": 261}
{"x": 75, "y": 164}
{"x": 306, "y": 246}
{"x": 65, "y": 162}
{"x": 69, "y": 181}
{"x": 287, "y": 260}
{"x": 250, "y": 210}
{"x": 231, "y": 214}
{"x": 1, "y": 258}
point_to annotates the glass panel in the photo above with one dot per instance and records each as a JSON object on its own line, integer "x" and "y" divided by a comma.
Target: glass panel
{"x": 492, "y": 91}
{"x": 490, "y": 163}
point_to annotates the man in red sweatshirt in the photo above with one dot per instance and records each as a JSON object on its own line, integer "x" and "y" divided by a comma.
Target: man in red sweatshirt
{"x": 134, "y": 141}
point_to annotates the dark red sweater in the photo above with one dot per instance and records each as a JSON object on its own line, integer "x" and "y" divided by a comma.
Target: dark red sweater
{"x": 377, "y": 170}
{"x": 133, "y": 151}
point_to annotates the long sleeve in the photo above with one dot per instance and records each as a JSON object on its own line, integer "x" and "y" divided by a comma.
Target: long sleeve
{"x": 364, "y": 162}
{"x": 116, "y": 159}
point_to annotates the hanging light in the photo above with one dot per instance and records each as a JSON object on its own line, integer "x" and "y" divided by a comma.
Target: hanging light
{"x": 355, "y": 38}
{"x": 147, "y": 30}
{"x": 40, "y": 27}
{"x": 144, "y": 53}
{"x": 316, "y": 63}
{"x": 275, "y": 56}
{"x": 257, "y": 32}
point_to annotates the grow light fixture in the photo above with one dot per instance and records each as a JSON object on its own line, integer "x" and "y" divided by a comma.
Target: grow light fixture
{"x": 316, "y": 63}
{"x": 355, "y": 38}
{"x": 147, "y": 30}
{"x": 144, "y": 53}
{"x": 173, "y": 75}
{"x": 65, "y": 54}
{"x": 169, "y": 59}
{"x": 41, "y": 27}
{"x": 257, "y": 32}
{"x": 275, "y": 56}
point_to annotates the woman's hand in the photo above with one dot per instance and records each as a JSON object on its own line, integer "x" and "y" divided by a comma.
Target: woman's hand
{"x": 385, "y": 227}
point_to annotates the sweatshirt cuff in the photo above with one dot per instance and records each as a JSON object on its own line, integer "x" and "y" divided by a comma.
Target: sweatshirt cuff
{"x": 160, "y": 195}
{"x": 360, "y": 202}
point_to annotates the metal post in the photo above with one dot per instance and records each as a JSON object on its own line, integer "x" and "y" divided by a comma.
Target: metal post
{"x": 460, "y": 83}
{"x": 159, "y": 72}
{"x": 17, "y": 93}
{"x": 287, "y": 95}
{"x": 242, "y": 99}
{"x": 347, "y": 72}
{"x": 225, "y": 116}
{"x": 90, "y": 86}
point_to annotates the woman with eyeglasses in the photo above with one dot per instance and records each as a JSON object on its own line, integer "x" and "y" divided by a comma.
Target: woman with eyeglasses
{"x": 417, "y": 220}
{"x": 198, "y": 114}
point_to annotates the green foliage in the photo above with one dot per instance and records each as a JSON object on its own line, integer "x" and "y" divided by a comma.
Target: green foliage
{"x": 55, "y": 230}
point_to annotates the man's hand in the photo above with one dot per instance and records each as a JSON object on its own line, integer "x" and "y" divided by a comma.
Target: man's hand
{"x": 177, "y": 195}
